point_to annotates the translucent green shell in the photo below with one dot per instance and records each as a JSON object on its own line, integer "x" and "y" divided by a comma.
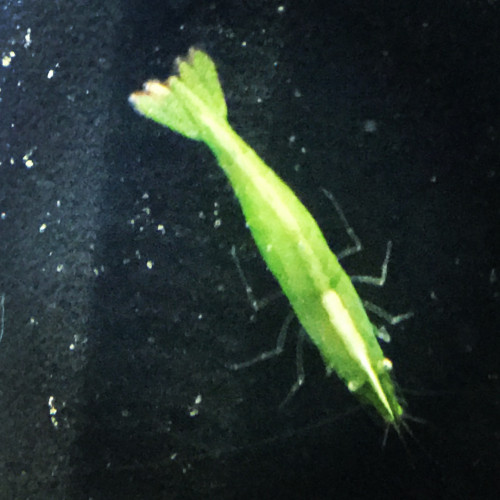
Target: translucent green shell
{"x": 289, "y": 239}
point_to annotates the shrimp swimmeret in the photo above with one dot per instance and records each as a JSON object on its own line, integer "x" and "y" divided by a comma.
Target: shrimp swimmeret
{"x": 291, "y": 243}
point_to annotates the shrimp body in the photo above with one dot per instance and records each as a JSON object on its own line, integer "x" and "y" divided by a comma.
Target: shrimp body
{"x": 289, "y": 239}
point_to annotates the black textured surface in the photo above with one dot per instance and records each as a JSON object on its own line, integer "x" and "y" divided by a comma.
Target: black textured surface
{"x": 125, "y": 350}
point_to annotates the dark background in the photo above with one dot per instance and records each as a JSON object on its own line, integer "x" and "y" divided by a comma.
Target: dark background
{"x": 125, "y": 350}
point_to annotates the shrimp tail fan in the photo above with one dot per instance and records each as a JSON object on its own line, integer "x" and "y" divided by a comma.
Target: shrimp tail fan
{"x": 183, "y": 101}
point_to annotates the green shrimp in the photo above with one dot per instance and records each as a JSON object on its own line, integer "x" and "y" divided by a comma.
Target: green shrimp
{"x": 289, "y": 239}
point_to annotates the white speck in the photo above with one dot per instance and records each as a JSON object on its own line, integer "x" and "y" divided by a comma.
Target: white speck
{"x": 52, "y": 411}
{"x": 161, "y": 228}
{"x": 50, "y": 74}
{"x": 370, "y": 126}
{"x": 43, "y": 227}
{"x": 7, "y": 58}
{"x": 28, "y": 162}
{"x": 281, "y": 9}
{"x": 150, "y": 264}
{"x": 59, "y": 267}
{"x": 194, "y": 408}
{"x": 27, "y": 38}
